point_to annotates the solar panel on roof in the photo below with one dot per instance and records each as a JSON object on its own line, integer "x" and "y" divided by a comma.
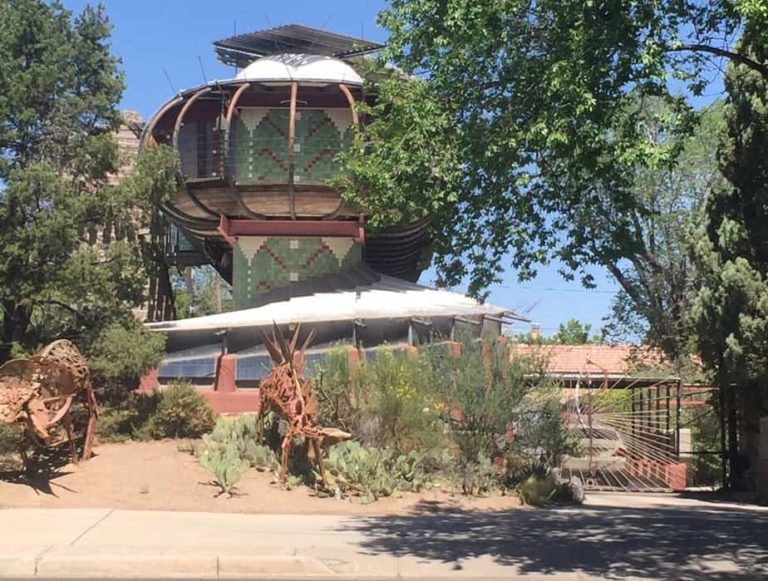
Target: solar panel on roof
{"x": 243, "y": 49}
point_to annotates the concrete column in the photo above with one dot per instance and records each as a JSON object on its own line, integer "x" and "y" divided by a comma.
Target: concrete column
{"x": 226, "y": 374}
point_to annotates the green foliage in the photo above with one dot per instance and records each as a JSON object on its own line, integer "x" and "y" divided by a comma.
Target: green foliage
{"x": 429, "y": 416}
{"x": 731, "y": 310}
{"x": 122, "y": 353}
{"x": 572, "y": 332}
{"x": 60, "y": 87}
{"x": 114, "y": 426}
{"x": 387, "y": 402}
{"x": 336, "y": 390}
{"x": 705, "y": 464}
{"x": 182, "y": 412}
{"x": 226, "y": 465}
{"x": 542, "y": 99}
{"x": 398, "y": 402}
{"x": 374, "y": 473}
{"x": 242, "y": 433}
{"x": 571, "y": 140}
{"x": 177, "y": 411}
{"x": 200, "y": 292}
{"x": 403, "y": 166}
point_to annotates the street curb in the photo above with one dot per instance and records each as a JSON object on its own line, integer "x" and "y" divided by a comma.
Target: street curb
{"x": 201, "y": 563}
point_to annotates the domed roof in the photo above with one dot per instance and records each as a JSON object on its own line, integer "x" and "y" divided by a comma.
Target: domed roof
{"x": 300, "y": 67}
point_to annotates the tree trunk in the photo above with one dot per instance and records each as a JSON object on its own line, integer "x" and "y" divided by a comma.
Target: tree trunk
{"x": 16, "y": 320}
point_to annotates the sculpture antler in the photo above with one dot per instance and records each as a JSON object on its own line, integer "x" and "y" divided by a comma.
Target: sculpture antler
{"x": 289, "y": 395}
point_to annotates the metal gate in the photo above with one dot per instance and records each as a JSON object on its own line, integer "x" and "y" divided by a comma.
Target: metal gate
{"x": 633, "y": 434}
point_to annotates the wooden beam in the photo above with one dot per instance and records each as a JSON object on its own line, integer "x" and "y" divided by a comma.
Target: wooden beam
{"x": 234, "y": 228}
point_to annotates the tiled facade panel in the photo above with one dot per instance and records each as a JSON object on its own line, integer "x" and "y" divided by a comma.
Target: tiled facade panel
{"x": 262, "y": 264}
{"x": 259, "y": 144}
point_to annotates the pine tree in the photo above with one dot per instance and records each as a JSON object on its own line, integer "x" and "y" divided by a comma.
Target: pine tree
{"x": 731, "y": 312}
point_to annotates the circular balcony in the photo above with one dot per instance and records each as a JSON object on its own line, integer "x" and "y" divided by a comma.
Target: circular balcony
{"x": 262, "y": 147}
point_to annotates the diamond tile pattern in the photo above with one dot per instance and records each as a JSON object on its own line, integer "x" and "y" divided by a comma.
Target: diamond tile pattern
{"x": 262, "y": 264}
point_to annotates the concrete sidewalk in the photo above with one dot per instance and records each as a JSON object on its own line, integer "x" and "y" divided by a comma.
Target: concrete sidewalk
{"x": 613, "y": 536}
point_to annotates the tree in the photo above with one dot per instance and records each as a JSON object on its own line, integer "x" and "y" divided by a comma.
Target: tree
{"x": 541, "y": 99}
{"x": 654, "y": 266}
{"x": 71, "y": 261}
{"x": 572, "y": 332}
{"x": 199, "y": 292}
{"x": 731, "y": 310}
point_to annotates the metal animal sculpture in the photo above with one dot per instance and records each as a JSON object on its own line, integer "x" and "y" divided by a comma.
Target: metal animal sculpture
{"x": 39, "y": 392}
{"x": 288, "y": 394}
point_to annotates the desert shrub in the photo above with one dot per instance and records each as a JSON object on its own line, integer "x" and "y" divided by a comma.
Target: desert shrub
{"x": 181, "y": 412}
{"x": 542, "y": 486}
{"x": 398, "y": 404}
{"x": 372, "y": 473}
{"x": 242, "y": 433}
{"x": 226, "y": 465}
{"x": 491, "y": 413}
{"x": 114, "y": 426}
{"x": 336, "y": 391}
{"x": 476, "y": 476}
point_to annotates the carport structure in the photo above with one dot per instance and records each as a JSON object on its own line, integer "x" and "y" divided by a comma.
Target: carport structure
{"x": 631, "y": 429}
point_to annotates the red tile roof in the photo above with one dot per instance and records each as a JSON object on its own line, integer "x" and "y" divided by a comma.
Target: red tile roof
{"x": 594, "y": 360}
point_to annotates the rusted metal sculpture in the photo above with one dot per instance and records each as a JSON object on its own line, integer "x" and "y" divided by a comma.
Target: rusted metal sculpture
{"x": 288, "y": 394}
{"x": 39, "y": 392}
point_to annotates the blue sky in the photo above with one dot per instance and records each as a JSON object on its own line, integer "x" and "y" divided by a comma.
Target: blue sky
{"x": 168, "y": 36}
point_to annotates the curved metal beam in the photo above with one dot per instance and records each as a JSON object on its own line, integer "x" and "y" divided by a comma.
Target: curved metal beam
{"x": 183, "y": 112}
{"x": 351, "y": 100}
{"x": 233, "y": 103}
{"x": 292, "y": 149}
{"x": 229, "y": 166}
{"x": 150, "y": 128}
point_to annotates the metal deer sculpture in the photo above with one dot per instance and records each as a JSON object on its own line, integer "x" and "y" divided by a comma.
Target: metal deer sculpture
{"x": 288, "y": 394}
{"x": 39, "y": 392}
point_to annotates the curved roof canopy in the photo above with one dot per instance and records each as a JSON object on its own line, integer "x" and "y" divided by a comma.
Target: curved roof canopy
{"x": 300, "y": 67}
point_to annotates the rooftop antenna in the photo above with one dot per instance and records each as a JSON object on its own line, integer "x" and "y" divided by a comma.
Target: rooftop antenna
{"x": 170, "y": 83}
{"x": 202, "y": 69}
{"x": 533, "y": 306}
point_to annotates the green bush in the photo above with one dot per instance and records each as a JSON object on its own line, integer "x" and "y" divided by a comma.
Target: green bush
{"x": 226, "y": 465}
{"x": 242, "y": 433}
{"x": 114, "y": 426}
{"x": 399, "y": 402}
{"x": 373, "y": 473}
{"x": 120, "y": 355}
{"x": 182, "y": 412}
{"x": 543, "y": 486}
{"x": 336, "y": 391}
{"x": 492, "y": 413}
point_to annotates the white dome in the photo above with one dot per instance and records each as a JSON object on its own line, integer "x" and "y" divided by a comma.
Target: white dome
{"x": 300, "y": 67}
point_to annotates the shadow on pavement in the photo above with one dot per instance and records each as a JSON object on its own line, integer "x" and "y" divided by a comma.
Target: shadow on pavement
{"x": 43, "y": 468}
{"x": 668, "y": 543}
